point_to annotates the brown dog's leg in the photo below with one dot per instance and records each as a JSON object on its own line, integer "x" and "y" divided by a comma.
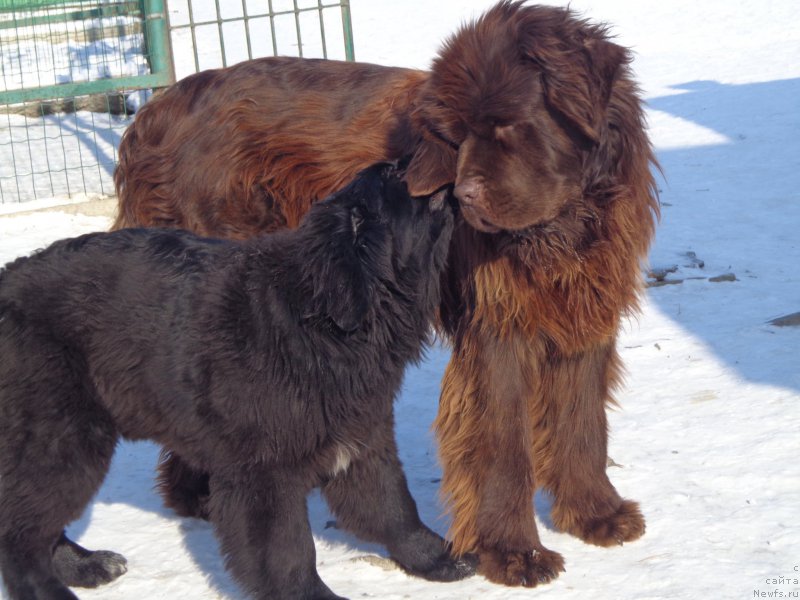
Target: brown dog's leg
{"x": 571, "y": 448}
{"x": 486, "y": 451}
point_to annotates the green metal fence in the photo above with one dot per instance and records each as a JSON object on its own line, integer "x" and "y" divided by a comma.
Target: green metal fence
{"x": 245, "y": 30}
{"x": 72, "y": 72}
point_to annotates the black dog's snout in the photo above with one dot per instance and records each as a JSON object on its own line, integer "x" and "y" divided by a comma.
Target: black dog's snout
{"x": 438, "y": 200}
{"x": 391, "y": 170}
{"x": 443, "y": 199}
{"x": 395, "y": 169}
{"x": 403, "y": 162}
{"x": 392, "y": 184}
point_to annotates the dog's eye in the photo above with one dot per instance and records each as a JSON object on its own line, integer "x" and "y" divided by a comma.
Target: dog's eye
{"x": 446, "y": 139}
{"x": 503, "y": 133}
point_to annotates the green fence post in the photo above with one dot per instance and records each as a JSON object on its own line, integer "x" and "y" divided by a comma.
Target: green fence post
{"x": 347, "y": 24}
{"x": 157, "y": 40}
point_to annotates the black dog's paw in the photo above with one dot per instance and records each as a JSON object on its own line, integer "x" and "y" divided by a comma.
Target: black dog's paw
{"x": 425, "y": 554}
{"x": 76, "y": 566}
{"x": 99, "y": 568}
{"x": 451, "y": 568}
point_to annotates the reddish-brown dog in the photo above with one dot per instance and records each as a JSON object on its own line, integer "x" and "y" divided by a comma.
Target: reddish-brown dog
{"x": 533, "y": 115}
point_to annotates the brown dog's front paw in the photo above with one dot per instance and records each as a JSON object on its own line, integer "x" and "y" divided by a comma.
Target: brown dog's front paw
{"x": 624, "y": 525}
{"x": 527, "y": 569}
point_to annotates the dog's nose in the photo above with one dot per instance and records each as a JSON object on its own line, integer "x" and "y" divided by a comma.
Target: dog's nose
{"x": 468, "y": 191}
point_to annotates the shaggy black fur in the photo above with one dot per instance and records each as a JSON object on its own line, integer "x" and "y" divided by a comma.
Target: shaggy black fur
{"x": 270, "y": 364}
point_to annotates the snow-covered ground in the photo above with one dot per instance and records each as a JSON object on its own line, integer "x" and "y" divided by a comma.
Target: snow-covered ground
{"x": 707, "y": 436}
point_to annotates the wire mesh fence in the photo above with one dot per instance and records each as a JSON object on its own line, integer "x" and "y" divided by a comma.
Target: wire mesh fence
{"x": 217, "y": 33}
{"x": 73, "y": 72}
{"x": 55, "y": 142}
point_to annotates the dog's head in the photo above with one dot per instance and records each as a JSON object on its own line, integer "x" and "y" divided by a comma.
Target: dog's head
{"x": 515, "y": 104}
{"x": 376, "y": 240}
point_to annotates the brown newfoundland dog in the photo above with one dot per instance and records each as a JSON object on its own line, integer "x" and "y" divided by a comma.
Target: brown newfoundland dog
{"x": 533, "y": 115}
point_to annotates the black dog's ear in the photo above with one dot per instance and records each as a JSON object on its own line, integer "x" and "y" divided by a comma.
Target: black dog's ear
{"x": 340, "y": 295}
{"x": 348, "y": 307}
{"x": 336, "y": 275}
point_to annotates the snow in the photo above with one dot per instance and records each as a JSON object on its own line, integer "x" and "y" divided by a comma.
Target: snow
{"x": 706, "y": 435}
{"x": 37, "y": 62}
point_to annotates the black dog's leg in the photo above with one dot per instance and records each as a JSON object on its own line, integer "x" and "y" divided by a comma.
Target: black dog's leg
{"x": 370, "y": 498}
{"x": 76, "y": 566}
{"x": 56, "y": 444}
{"x": 27, "y": 572}
{"x": 261, "y": 521}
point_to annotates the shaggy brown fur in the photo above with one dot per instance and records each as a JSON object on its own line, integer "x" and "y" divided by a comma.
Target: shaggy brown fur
{"x": 534, "y": 116}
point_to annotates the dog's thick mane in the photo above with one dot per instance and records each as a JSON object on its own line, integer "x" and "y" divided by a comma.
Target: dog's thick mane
{"x": 588, "y": 88}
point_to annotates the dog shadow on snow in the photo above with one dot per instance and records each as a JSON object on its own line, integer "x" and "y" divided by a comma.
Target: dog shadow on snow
{"x": 733, "y": 203}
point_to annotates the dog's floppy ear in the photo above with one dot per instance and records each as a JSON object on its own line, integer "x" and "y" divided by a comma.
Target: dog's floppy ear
{"x": 338, "y": 279}
{"x": 433, "y": 161}
{"x": 578, "y": 81}
{"x": 346, "y": 299}
{"x": 432, "y": 166}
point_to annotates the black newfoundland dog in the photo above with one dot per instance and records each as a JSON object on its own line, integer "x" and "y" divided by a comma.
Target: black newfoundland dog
{"x": 271, "y": 364}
